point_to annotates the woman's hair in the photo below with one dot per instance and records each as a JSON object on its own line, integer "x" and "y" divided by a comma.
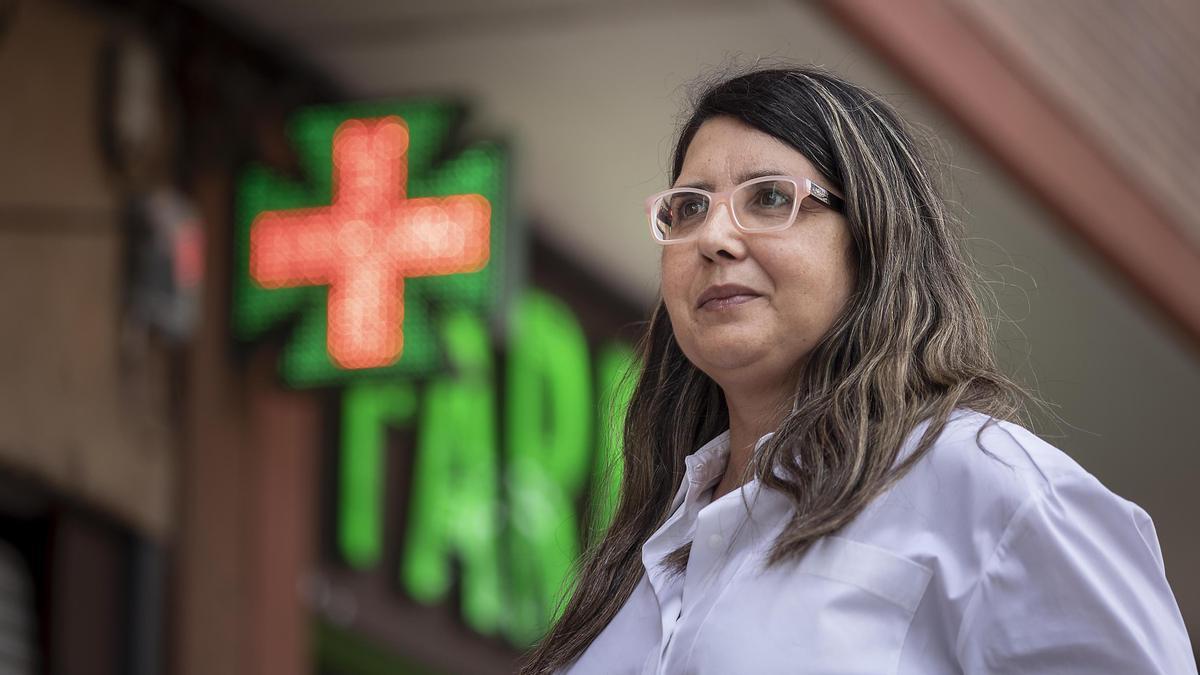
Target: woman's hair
{"x": 911, "y": 344}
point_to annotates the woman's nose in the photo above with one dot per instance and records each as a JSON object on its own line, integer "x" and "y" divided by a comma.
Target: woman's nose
{"x": 720, "y": 239}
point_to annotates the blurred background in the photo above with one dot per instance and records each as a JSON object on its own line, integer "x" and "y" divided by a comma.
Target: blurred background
{"x": 206, "y": 468}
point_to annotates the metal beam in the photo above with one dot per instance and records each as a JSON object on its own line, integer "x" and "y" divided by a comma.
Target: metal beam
{"x": 1042, "y": 146}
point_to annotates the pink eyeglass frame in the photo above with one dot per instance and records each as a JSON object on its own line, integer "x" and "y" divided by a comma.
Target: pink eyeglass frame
{"x": 715, "y": 199}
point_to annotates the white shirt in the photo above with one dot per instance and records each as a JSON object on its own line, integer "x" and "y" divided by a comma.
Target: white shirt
{"x": 965, "y": 565}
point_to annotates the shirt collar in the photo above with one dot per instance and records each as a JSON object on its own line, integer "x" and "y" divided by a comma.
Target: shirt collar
{"x": 706, "y": 466}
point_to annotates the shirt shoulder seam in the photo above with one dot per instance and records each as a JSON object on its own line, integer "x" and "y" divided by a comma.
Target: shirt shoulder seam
{"x": 1010, "y": 530}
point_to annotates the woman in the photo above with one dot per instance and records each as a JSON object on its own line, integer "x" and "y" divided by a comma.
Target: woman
{"x": 823, "y": 474}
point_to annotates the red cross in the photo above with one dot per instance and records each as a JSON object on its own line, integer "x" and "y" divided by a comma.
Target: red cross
{"x": 368, "y": 240}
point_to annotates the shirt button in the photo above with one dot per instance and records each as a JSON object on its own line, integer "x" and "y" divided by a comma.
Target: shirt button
{"x": 715, "y": 541}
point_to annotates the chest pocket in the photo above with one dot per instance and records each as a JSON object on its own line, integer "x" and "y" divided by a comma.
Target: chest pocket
{"x": 843, "y": 609}
{"x": 878, "y": 571}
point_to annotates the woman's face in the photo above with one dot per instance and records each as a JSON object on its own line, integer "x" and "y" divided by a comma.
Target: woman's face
{"x": 791, "y": 283}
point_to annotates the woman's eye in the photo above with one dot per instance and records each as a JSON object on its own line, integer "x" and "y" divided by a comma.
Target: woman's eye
{"x": 773, "y": 199}
{"x": 690, "y": 209}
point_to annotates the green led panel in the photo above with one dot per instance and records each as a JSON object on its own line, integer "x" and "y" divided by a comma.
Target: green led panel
{"x": 617, "y": 372}
{"x": 548, "y": 443}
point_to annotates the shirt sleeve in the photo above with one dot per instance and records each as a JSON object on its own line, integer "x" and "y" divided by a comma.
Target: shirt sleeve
{"x": 1076, "y": 585}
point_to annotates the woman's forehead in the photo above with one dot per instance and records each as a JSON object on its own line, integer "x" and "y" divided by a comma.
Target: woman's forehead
{"x": 726, "y": 151}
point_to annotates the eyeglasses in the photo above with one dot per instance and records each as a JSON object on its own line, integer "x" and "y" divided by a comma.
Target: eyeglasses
{"x": 759, "y": 205}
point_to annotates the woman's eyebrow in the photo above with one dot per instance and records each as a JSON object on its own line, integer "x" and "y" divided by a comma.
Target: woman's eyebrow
{"x": 697, "y": 184}
{"x": 759, "y": 173}
{"x": 741, "y": 178}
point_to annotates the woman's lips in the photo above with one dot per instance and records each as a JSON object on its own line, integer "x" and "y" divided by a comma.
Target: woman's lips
{"x": 724, "y": 302}
{"x": 721, "y": 296}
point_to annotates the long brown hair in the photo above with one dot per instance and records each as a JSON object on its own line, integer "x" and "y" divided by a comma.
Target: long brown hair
{"x": 911, "y": 344}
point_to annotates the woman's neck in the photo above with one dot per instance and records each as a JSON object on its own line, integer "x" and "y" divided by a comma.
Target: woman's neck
{"x": 753, "y": 412}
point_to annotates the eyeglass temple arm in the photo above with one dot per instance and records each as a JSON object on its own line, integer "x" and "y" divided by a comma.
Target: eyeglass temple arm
{"x": 826, "y": 197}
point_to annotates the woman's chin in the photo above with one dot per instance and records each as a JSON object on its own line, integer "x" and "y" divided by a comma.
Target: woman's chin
{"x": 729, "y": 355}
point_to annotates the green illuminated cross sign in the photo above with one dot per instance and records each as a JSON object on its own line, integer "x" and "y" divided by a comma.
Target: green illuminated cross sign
{"x": 288, "y": 236}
